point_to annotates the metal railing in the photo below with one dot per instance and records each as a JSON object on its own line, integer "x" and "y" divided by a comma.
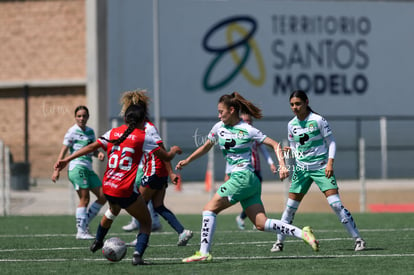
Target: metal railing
{"x": 389, "y": 148}
{"x": 4, "y": 178}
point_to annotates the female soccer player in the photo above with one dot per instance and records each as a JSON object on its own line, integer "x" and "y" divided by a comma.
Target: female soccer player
{"x": 313, "y": 145}
{"x": 235, "y": 138}
{"x": 80, "y": 172}
{"x": 125, "y": 146}
{"x": 153, "y": 181}
{"x": 256, "y": 148}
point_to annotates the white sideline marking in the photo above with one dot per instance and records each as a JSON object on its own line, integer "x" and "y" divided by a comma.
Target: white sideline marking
{"x": 198, "y": 232}
{"x": 360, "y": 254}
{"x": 161, "y": 245}
{"x": 74, "y": 234}
{"x": 221, "y": 258}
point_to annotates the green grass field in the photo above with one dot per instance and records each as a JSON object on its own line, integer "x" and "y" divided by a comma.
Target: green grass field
{"x": 47, "y": 245}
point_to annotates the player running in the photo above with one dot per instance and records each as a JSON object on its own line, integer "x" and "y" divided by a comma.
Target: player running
{"x": 125, "y": 146}
{"x": 153, "y": 181}
{"x": 235, "y": 138}
{"x": 256, "y": 148}
{"x": 81, "y": 174}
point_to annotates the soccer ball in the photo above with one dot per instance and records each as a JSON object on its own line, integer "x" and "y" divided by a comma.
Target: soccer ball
{"x": 114, "y": 249}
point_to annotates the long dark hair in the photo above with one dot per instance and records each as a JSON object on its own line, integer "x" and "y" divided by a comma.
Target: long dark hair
{"x": 134, "y": 115}
{"x": 303, "y": 96}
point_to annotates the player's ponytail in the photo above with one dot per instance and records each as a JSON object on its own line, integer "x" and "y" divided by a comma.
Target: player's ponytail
{"x": 134, "y": 116}
{"x": 240, "y": 104}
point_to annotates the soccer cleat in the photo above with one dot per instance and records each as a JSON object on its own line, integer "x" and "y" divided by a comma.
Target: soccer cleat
{"x": 198, "y": 257}
{"x": 277, "y": 247}
{"x": 133, "y": 225}
{"x": 96, "y": 245}
{"x": 137, "y": 259}
{"x": 359, "y": 244}
{"x": 309, "y": 238}
{"x": 84, "y": 236}
{"x": 240, "y": 222}
{"x": 184, "y": 237}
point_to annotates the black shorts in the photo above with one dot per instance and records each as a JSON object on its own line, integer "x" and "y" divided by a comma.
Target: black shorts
{"x": 154, "y": 182}
{"x": 123, "y": 202}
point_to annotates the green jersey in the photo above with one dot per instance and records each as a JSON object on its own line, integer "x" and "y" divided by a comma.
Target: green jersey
{"x": 75, "y": 138}
{"x": 307, "y": 140}
{"x": 236, "y": 143}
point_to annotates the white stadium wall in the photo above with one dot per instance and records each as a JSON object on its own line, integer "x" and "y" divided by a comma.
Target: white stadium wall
{"x": 353, "y": 58}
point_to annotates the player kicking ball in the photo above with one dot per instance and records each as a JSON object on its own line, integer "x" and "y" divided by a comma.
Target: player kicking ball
{"x": 235, "y": 138}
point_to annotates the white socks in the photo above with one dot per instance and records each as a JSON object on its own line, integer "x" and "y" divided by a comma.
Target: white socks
{"x": 93, "y": 211}
{"x": 279, "y": 227}
{"x": 207, "y": 231}
{"x": 335, "y": 202}
{"x": 81, "y": 219}
{"x": 288, "y": 215}
{"x": 344, "y": 215}
{"x": 84, "y": 215}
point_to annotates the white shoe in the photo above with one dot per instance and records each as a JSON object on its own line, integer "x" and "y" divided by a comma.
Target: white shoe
{"x": 277, "y": 247}
{"x": 184, "y": 237}
{"x": 137, "y": 259}
{"x": 359, "y": 244}
{"x": 131, "y": 226}
{"x": 84, "y": 236}
{"x": 240, "y": 223}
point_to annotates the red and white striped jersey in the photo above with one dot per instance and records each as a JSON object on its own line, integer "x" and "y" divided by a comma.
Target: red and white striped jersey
{"x": 152, "y": 165}
{"x": 123, "y": 159}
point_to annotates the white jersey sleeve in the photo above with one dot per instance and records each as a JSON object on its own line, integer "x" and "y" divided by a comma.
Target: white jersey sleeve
{"x": 213, "y": 134}
{"x": 103, "y": 140}
{"x": 71, "y": 136}
{"x": 152, "y": 131}
{"x": 150, "y": 144}
{"x": 256, "y": 134}
{"x": 324, "y": 127}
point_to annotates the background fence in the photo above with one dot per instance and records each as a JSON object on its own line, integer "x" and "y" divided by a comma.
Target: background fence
{"x": 368, "y": 148}
{"x": 389, "y": 148}
{"x": 4, "y": 179}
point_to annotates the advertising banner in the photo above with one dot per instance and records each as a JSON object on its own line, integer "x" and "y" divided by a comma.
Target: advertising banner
{"x": 353, "y": 58}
